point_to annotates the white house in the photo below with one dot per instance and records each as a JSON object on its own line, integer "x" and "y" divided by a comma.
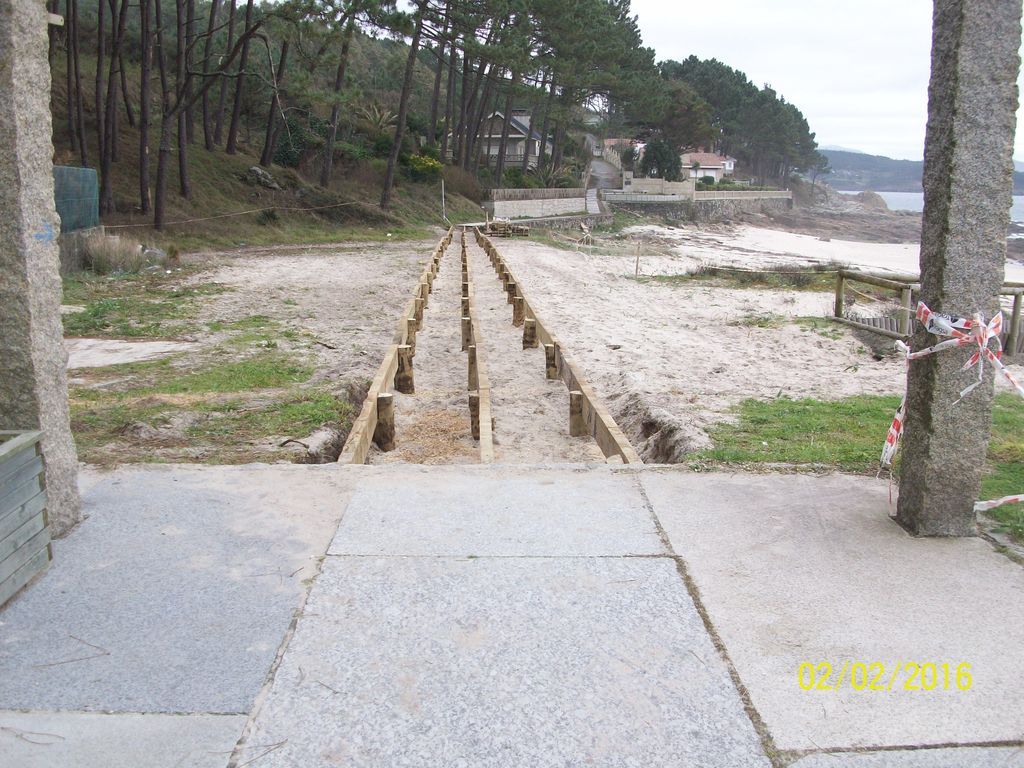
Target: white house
{"x": 700, "y": 164}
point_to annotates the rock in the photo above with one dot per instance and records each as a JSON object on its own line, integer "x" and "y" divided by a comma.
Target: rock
{"x": 260, "y": 177}
{"x": 872, "y": 200}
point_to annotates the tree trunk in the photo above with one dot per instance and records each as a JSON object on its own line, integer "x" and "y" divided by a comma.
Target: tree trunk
{"x": 181, "y": 76}
{"x": 339, "y": 81}
{"x": 436, "y": 96}
{"x": 218, "y": 132}
{"x": 190, "y": 36}
{"x": 541, "y": 152}
{"x": 164, "y": 153}
{"x": 119, "y": 22}
{"x": 128, "y": 111}
{"x": 207, "y": 125}
{"x": 100, "y": 101}
{"x": 403, "y": 107}
{"x": 83, "y": 147}
{"x": 236, "y": 113}
{"x": 533, "y": 123}
{"x": 275, "y": 106}
{"x": 460, "y": 131}
{"x": 488, "y": 89}
{"x": 499, "y": 168}
{"x": 145, "y": 203}
{"x": 448, "y": 126}
{"x": 69, "y": 77}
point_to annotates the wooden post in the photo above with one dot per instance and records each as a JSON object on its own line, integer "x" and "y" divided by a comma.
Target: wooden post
{"x": 506, "y": 277}
{"x": 840, "y": 306}
{"x": 1013, "y": 337}
{"x": 474, "y": 414}
{"x": 577, "y": 424}
{"x": 424, "y": 292}
{"x": 465, "y": 306}
{"x": 474, "y": 376}
{"x": 907, "y": 313}
{"x": 511, "y": 289}
{"x": 384, "y": 432}
{"x": 518, "y": 311}
{"x": 419, "y": 314}
{"x": 551, "y": 368}
{"x": 529, "y": 333}
{"x": 467, "y": 327}
{"x": 410, "y": 333}
{"x": 403, "y": 378}
{"x": 465, "y": 289}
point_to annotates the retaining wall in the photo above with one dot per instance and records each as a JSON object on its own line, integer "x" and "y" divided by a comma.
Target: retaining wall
{"x": 498, "y": 195}
{"x": 537, "y": 208}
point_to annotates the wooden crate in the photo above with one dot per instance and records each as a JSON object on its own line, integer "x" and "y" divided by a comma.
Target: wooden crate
{"x": 24, "y": 527}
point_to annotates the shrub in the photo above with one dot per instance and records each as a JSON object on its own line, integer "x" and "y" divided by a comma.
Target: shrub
{"x": 460, "y": 182}
{"x": 708, "y": 180}
{"x": 382, "y": 145}
{"x": 268, "y": 216}
{"x": 423, "y": 168}
{"x": 106, "y": 254}
{"x": 432, "y": 151}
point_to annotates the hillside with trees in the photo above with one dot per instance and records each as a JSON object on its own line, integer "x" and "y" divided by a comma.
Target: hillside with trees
{"x": 355, "y": 101}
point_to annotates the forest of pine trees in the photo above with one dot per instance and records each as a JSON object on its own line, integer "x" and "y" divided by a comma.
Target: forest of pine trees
{"x": 329, "y": 79}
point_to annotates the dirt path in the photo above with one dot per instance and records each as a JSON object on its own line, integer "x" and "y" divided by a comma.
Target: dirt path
{"x": 532, "y": 413}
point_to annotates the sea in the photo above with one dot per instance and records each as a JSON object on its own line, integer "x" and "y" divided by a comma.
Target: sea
{"x": 914, "y": 201}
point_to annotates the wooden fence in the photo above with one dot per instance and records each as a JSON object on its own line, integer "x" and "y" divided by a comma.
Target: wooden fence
{"x": 25, "y": 549}
{"x": 907, "y": 287}
{"x": 376, "y": 420}
{"x": 587, "y": 415}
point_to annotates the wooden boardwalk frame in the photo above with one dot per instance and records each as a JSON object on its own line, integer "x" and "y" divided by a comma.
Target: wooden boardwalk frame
{"x": 478, "y": 382}
{"x": 402, "y": 347}
{"x": 594, "y": 417}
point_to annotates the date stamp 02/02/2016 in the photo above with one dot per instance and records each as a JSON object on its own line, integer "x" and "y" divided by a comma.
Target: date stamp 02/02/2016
{"x": 910, "y": 676}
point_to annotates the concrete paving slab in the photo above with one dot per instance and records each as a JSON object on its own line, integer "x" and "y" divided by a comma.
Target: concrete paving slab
{"x": 798, "y": 569}
{"x": 91, "y": 740}
{"x": 176, "y": 592}
{"x": 962, "y": 757}
{"x": 497, "y": 511}
{"x": 503, "y": 662}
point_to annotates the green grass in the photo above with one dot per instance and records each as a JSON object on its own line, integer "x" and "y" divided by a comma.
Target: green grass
{"x": 297, "y": 414}
{"x": 799, "y": 279}
{"x": 141, "y": 306}
{"x": 848, "y": 434}
{"x": 267, "y": 370}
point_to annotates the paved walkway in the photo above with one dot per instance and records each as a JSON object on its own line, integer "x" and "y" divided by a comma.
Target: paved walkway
{"x": 504, "y": 615}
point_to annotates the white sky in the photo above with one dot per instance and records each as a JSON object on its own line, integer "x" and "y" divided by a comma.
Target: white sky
{"x": 857, "y": 70}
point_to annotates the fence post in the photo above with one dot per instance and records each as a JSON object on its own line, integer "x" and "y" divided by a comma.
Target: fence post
{"x": 550, "y": 366}
{"x": 1013, "y": 339}
{"x": 474, "y": 414}
{"x": 403, "y": 377}
{"x": 384, "y": 432}
{"x": 906, "y": 299}
{"x": 529, "y": 333}
{"x": 577, "y": 424}
{"x": 840, "y": 306}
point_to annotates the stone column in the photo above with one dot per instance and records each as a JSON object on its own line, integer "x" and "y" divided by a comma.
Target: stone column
{"x": 972, "y": 102}
{"x": 33, "y": 380}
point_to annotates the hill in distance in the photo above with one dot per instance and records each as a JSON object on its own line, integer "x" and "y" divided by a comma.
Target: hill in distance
{"x": 857, "y": 171}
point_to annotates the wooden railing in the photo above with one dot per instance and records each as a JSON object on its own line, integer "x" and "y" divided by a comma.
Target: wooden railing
{"x": 907, "y": 287}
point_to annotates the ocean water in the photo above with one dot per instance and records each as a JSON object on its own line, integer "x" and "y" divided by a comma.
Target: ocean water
{"x": 914, "y": 201}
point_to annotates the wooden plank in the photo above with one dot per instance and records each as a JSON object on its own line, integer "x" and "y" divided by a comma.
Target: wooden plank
{"x": 12, "y": 520}
{"x": 36, "y": 564}
{"x": 21, "y": 536}
{"x": 20, "y": 494}
{"x": 17, "y": 442}
{"x": 17, "y": 477}
{"x": 865, "y": 326}
{"x": 16, "y": 461}
{"x": 23, "y": 554}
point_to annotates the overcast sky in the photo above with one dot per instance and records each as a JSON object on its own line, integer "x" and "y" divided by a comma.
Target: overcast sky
{"x": 857, "y": 70}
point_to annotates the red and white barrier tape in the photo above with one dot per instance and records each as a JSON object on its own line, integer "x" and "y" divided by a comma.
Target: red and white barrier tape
{"x": 963, "y": 332}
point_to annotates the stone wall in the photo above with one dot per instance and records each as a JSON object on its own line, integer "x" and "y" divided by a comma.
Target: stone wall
{"x": 538, "y": 208}
{"x": 706, "y": 211}
{"x": 536, "y": 194}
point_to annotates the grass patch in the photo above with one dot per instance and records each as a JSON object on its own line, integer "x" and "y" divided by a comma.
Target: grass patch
{"x": 768, "y": 320}
{"x": 133, "y": 306}
{"x": 268, "y": 370}
{"x": 298, "y": 414}
{"x": 848, "y": 434}
{"x": 820, "y": 326}
{"x": 792, "y": 278}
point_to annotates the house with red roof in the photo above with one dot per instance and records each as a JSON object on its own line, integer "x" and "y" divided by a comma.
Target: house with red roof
{"x": 702, "y": 164}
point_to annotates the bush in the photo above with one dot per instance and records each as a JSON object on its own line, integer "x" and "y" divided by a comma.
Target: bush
{"x": 107, "y": 254}
{"x": 298, "y": 139}
{"x": 709, "y": 180}
{"x": 432, "y": 151}
{"x": 424, "y": 168}
{"x": 460, "y": 182}
{"x": 382, "y": 145}
{"x": 268, "y": 216}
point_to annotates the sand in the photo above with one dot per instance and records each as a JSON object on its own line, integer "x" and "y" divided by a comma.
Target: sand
{"x": 96, "y": 353}
{"x": 531, "y": 414}
{"x": 672, "y": 359}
